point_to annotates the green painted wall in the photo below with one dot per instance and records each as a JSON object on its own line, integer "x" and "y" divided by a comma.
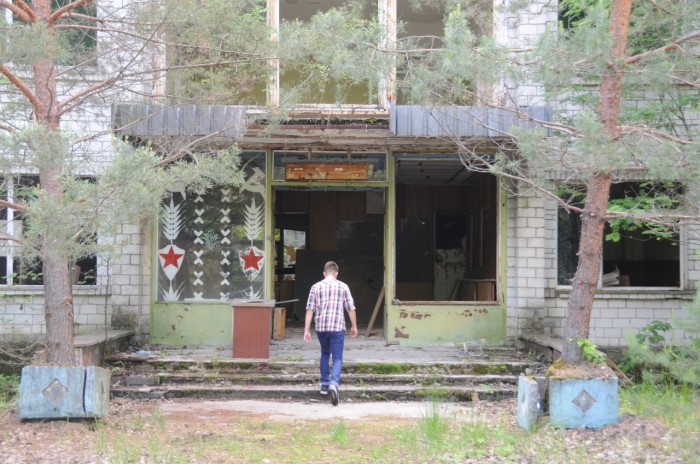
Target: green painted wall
{"x": 424, "y": 325}
{"x": 191, "y": 324}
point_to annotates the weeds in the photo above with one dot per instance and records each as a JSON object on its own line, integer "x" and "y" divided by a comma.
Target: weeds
{"x": 339, "y": 433}
{"x": 9, "y": 389}
{"x": 676, "y": 405}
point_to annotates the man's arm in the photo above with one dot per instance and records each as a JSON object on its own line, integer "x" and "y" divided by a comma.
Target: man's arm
{"x": 307, "y": 325}
{"x": 353, "y": 321}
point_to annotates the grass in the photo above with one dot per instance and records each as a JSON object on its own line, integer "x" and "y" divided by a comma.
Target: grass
{"x": 677, "y": 406}
{"x": 487, "y": 434}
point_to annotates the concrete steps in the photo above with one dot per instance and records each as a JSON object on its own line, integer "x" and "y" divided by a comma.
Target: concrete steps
{"x": 156, "y": 377}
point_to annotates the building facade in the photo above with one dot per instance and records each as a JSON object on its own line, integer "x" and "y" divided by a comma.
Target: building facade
{"x": 444, "y": 254}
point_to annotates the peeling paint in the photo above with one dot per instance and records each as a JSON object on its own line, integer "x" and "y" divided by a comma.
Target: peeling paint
{"x": 403, "y": 314}
{"x": 474, "y": 312}
{"x": 419, "y": 316}
{"x": 172, "y": 327}
{"x": 399, "y": 334}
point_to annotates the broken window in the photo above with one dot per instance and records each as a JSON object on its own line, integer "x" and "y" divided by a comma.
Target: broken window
{"x": 232, "y": 71}
{"x": 420, "y": 30}
{"x": 304, "y": 79}
{"x": 16, "y": 269}
{"x": 446, "y": 231}
{"x": 633, "y": 256}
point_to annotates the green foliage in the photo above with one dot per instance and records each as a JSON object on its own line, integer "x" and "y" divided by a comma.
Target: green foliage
{"x": 676, "y": 405}
{"x": 590, "y": 351}
{"x": 650, "y": 333}
{"x": 650, "y": 199}
{"x": 9, "y": 389}
{"x": 344, "y": 69}
{"x": 127, "y": 190}
{"x": 218, "y": 53}
{"x": 654, "y": 359}
{"x": 434, "y": 425}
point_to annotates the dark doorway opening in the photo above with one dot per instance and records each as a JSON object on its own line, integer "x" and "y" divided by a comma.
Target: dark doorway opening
{"x": 446, "y": 233}
{"x": 314, "y": 226}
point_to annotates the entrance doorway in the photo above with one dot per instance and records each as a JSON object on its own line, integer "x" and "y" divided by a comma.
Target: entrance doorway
{"x": 314, "y": 226}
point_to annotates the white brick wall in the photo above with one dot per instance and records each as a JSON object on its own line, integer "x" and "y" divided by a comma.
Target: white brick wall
{"x": 537, "y": 304}
{"x": 22, "y": 311}
{"x": 121, "y": 298}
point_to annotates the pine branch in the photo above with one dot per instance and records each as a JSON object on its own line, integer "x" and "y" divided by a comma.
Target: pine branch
{"x": 20, "y": 8}
{"x": 21, "y": 86}
{"x": 673, "y": 45}
{"x": 58, "y": 14}
{"x": 12, "y": 205}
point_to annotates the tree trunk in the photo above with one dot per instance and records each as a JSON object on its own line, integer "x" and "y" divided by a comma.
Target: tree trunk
{"x": 593, "y": 218}
{"x": 57, "y": 282}
{"x": 585, "y": 281}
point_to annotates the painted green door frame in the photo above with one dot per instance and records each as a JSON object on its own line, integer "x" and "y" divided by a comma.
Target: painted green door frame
{"x": 437, "y": 323}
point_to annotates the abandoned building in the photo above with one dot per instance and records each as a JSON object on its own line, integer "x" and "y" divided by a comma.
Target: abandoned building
{"x": 437, "y": 253}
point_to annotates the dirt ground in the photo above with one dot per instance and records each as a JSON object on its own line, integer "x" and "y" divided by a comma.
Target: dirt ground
{"x": 633, "y": 440}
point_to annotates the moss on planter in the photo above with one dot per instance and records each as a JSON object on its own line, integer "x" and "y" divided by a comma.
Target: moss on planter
{"x": 561, "y": 370}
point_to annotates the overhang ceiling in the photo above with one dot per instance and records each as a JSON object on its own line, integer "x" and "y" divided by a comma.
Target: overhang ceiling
{"x": 432, "y": 172}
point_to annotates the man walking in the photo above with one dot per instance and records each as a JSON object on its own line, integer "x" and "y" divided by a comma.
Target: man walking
{"x": 327, "y": 301}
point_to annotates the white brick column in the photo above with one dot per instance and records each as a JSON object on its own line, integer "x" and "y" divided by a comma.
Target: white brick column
{"x": 527, "y": 262}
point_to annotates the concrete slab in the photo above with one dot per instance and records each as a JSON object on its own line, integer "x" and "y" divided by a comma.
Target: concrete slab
{"x": 373, "y": 349}
{"x": 317, "y": 410}
{"x": 56, "y": 392}
{"x": 528, "y": 402}
{"x": 90, "y": 348}
{"x": 579, "y": 403}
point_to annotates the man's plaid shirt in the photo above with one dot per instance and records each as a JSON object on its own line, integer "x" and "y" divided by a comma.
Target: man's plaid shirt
{"x": 327, "y": 299}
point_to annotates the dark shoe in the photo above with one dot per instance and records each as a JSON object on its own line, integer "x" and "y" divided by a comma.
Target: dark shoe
{"x": 334, "y": 395}
{"x": 324, "y": 389}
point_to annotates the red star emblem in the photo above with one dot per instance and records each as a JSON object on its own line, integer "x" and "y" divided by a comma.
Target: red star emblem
{"x": 170, "y": 258}
{"x": 251, "y": 260}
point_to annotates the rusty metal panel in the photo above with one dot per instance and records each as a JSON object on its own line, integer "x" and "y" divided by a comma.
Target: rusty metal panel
{"x": 252, "y": 325}
{"x": 327, "y": 171}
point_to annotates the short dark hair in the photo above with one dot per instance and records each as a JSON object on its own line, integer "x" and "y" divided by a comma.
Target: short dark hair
{"x": 330, "y": 266}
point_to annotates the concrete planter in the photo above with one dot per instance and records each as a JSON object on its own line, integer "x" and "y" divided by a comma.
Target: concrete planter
{"x": 56, "y": 392}
{"x": 531, "y": 400}
{"x": 589, "y": 403}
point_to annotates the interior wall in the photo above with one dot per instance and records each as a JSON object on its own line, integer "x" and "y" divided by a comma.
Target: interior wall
{"x": 446, "y": 234}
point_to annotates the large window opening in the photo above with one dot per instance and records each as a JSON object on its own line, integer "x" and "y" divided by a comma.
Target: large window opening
{"x": 446, "y": 232}
{"x": 636, "y": 259}
{"x": 305, "y": 80}
{"x": 315, "y": 226}
{"x": 235, "y": 70}
{"x": 17, "y": 268}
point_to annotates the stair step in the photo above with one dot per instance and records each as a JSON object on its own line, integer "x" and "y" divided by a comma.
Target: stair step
{"x": 210, "y": 378}
{"x": 305, "y": 392}
{"x": 135, "y": 364}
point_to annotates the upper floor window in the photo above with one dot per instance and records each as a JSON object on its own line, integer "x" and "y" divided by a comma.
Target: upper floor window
{"x": 632, "y": 256}
{"x": 75, "y": 31}
{"x": 323, "y": 75}
{"x": 78, "y": 33}
{"x": 235, "y": 69}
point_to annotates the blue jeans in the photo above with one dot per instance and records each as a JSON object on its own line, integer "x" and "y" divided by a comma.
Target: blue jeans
{"x": 332, "y": 344}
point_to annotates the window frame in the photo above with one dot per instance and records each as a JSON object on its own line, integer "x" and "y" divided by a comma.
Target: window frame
{"x": 8, "y": 223}
{"x": 682, "y": 264}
